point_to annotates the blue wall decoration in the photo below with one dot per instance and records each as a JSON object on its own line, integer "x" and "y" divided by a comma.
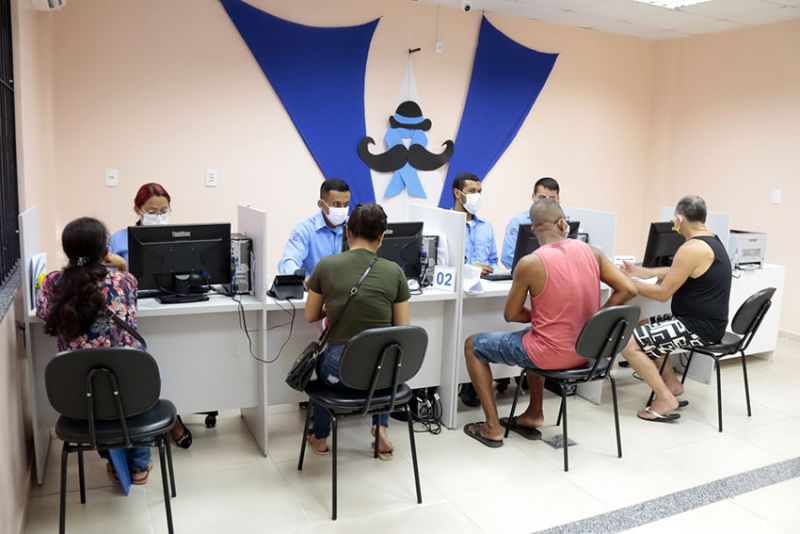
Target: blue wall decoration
{"x": 406, "y": 125}
{"x": 318, "y": 74}
{"x": 506, "y": 79}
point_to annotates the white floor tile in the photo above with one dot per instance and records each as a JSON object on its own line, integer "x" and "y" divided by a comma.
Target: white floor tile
{"x": 441, "y": 517}
{"x": 776, "y": 504}
{"x": 781, "y": 437}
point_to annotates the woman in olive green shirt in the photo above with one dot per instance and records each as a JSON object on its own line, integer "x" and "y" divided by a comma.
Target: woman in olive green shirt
{"x": 382, "y": 301}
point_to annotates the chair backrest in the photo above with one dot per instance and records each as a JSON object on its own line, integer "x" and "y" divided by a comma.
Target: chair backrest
{"x": 748, "y": 316}
{"x": 381, "y": 358}
{"x": 81, "y": 384}
{"x": 606, "y": 333}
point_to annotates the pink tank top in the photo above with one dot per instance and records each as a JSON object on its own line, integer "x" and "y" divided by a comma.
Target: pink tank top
{"x": 570, "y": 296}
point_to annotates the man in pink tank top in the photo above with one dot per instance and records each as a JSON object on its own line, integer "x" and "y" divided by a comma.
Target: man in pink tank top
{"x": 562, "y": 278}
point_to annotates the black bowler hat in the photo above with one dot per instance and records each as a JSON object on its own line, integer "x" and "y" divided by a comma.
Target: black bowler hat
{"x": 409, "y": 115}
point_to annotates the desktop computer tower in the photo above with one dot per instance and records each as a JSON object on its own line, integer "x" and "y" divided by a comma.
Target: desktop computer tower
{"x": 241, "y": 261}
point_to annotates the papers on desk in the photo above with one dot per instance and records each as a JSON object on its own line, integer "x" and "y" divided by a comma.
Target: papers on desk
{"x": 471, "y": 280}
{"x": 36, "y": 268}
{"x": 652, "y": 280}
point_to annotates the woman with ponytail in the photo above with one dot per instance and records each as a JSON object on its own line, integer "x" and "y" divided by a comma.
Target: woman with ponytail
{"x": 71, "y": 302}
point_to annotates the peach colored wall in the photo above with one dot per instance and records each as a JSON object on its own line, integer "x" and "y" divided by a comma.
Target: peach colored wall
{"x": 727, "y": 127}
{"x": 15, "y": 416}
{"x": 32, "y": 45}
{"x": 162, "y": 90}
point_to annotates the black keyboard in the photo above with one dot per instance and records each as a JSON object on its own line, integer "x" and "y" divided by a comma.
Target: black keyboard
{"x": 180, "y": 299}
{"x": 147, "y": 293}
{"x": 498, "y": 277}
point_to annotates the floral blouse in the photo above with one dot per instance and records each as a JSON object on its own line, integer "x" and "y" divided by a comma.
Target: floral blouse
{"x": 119, "y": 289}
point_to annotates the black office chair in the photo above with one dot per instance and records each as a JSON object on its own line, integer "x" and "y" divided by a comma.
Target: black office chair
{"x": 602, "y": 338}
{"x": 109, "y": 399}
{"x": 744, "y": 325}
{"x": 374, "y": 368}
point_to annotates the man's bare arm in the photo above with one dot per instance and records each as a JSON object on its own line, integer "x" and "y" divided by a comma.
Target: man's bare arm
{"x": 622, "y": 287}
{"x": 515, "y": 310}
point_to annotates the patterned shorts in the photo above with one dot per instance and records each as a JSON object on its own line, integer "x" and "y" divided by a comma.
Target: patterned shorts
{"x": 663, "y": 335}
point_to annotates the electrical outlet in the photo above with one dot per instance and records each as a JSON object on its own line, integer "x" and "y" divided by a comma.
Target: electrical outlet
{"x": 211, "y": 177}
{"x": 112, "y": 177}
{"x": 775, "y": 196}
{"x": 439, "y": 46}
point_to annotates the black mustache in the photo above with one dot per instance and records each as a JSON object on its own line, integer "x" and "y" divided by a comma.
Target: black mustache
{"x": 393, "y": 159}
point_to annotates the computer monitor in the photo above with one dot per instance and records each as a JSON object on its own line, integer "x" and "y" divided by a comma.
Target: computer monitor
{"x": 527, "y": 242}
{"x": 157, "y": 254}
{"x": 402, "y": 244}
{"x": 662, "y": 244}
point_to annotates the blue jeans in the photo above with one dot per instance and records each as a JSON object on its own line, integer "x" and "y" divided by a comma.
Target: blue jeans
{"x": 328, "y": 372}
{"x": 138, "y": 458}
{"x": 502, "y": 347}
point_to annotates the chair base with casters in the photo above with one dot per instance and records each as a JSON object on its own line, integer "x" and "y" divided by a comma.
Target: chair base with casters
{"x": 211, "y": 418}
{"x": 564, "y": 380}
{"x": 373, "y": 370}
{"x": 744, "y": 325}
{"x": 600, "y": 341}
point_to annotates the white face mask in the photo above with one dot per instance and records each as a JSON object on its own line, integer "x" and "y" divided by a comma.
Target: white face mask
{"x": 152, "y": 219}
{"x": 472, "y": 203}
{"x": 337, "y": 216}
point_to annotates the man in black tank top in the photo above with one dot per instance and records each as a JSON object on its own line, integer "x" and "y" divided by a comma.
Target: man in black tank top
{"x": 699, "y": 283}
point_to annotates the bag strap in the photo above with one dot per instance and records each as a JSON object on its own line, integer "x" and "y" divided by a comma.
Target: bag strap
{"x": 353, "y": 292}
{"x": 119, "y": 321}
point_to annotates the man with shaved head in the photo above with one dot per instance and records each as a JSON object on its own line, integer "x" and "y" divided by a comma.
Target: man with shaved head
{"x": 562, "y": 278}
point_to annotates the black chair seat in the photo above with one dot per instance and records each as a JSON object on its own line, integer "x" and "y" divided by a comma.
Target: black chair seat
{"x": 153, "y": 422}
{"x": 727, "y": 345}
{"x": 579, "y": 373}
{"x": 338, "y": 399}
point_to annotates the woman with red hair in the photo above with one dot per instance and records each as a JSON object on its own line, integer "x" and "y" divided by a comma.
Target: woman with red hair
{"x": 152, "y": 206}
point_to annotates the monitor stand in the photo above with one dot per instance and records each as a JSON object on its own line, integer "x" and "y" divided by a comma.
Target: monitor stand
{"x": 181, "y": 299}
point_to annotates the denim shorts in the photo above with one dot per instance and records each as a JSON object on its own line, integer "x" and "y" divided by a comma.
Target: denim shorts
{"x": 502, "y": 347}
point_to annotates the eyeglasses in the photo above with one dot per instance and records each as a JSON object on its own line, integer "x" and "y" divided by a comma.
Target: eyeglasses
{"x": 165, "y": 211}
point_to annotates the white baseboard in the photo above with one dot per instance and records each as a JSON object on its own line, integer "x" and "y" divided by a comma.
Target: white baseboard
{"x": 791, "y": 336}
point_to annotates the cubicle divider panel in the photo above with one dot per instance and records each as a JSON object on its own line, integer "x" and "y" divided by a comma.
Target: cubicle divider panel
{"x": 600, "y": 225}
{"x": 29, "y": 247}
{"x": 451, "y": 225}
{"x": 252, "y": 223}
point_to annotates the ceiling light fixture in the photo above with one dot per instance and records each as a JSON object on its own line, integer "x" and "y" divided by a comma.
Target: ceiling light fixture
{"x": 672, "y": 4}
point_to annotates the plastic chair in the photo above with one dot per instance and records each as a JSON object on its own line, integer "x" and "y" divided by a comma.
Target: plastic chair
{"x": 374, "y": 369}
{"x": 108, "y": 399}
{"x": 602, "y": 338}
{"x": 744, "y": 325}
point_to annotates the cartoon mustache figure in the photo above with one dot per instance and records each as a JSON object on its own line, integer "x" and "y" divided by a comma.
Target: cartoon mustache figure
{"x": 407, "y": 124}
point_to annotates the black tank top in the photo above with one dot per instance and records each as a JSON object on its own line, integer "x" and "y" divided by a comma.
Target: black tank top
{"x": 702, "y": 303}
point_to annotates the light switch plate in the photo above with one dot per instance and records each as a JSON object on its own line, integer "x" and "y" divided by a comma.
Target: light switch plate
{"x": 112, "y": 178}
{"x": 211, "y": 177}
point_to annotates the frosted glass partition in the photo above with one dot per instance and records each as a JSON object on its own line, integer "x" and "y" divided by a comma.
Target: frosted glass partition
{"x": 600, "y": 225}
{"x": 717, "y": 222}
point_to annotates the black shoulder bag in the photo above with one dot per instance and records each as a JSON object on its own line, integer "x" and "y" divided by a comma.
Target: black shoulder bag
{"x": 112, "y": 316}
{"x": 300, "y": 373}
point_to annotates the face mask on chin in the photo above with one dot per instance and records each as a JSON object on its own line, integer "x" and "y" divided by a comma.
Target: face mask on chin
{"x": 152, "y": 219}
{"x": 337, "y": 216}
{"x": 472, "y": 202}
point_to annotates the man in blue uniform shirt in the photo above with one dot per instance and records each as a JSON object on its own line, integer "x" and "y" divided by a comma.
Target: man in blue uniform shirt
{"x": 479, "y": 249}
{"x": 543, "y": 188}
{"x": 321, "y": 234}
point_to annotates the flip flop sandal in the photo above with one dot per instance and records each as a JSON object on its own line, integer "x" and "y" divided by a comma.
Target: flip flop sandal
{"x": 112, "y": 474}
{"x": 524, "y": 431}
{"x": 657, "y": 417}
{"x": 313, "y": 448}
{"x": 185, "y": 441}
{"x": 683, "y": 403}
{"x": 385, "y": 456}
{"x": 143, "y": 475}
{"x": 473, "y": 430}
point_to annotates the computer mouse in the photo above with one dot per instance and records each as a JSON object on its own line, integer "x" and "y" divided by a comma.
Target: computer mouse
{"x": 413, "y": 285}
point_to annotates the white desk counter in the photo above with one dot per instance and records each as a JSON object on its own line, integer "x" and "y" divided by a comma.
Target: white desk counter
{"x": 434, "y": 310}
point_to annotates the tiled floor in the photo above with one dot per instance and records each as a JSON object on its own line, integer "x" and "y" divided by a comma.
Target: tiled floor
{"x": 225, "y": 485}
